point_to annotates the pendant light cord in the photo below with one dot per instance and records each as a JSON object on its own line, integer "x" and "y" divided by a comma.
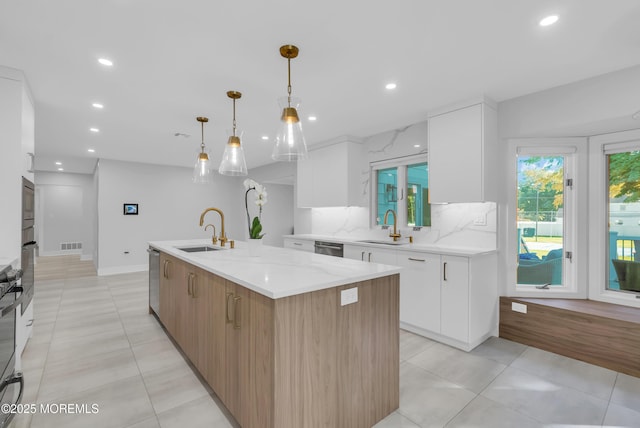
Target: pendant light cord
{"x": 289, "y": 81}
{"x": 234, "y": 117}
{"x": 202, "y": 144}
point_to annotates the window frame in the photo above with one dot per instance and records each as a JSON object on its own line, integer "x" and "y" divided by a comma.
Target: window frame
{"x": 599, "y": 147}
{"x": 401, "y": 164}
{"x": 574, "y": 239}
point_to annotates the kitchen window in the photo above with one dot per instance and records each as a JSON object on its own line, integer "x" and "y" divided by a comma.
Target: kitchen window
{"x": 547, "y": 225}
{"x": 401, "y": 185}
{"x": 623, "y": 219}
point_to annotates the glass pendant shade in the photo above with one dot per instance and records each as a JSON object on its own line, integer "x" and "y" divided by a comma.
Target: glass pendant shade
{"x": 202, "y": 168}
{"x": 233, "y": 162}
{"x": 290, "y": 144}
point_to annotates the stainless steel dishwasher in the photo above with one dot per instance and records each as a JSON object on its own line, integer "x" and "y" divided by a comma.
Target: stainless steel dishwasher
{"x": 329, "y": 248}
{"x": 154, "y": 280}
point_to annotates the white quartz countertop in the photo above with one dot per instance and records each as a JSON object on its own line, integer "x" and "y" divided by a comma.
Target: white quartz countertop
{"x": 406, "y": 246}
{"x": 277, "y": 272}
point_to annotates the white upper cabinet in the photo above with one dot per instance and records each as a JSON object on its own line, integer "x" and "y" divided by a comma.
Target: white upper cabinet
{"x": 462, "y": 154}
{"x": 331, "y": 176}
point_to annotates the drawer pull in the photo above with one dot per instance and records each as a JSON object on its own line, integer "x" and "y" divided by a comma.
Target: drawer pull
{"x": 297, "y": 243}
{"x": 417, "y": 260}
{"x": 444, "y": 270}
{"x": 236, "y": 312}
{"x": 229, "y": 297}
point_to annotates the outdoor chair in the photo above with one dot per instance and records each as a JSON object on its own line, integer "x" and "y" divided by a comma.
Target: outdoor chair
{"x": 628, "y": 274}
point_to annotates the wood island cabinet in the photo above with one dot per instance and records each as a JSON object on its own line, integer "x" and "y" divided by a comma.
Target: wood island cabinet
{"x": 297, "y": 361}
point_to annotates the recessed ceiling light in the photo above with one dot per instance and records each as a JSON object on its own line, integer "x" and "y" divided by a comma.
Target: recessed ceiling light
{"x": 91, "y": 150}
{"x": 312, "y": 118}
{"x": 549, "y": 20}
{"x": 97, "y": 105}
{"x": 390, "y": 86}
{"x": 58, "y": 163}
{"x": 265, "y": 137}
{"x": 416, "y": 145}
{"x": 60, "y": 169}
{"x": 105, "y": 62}
{"x": 94, "y": 130}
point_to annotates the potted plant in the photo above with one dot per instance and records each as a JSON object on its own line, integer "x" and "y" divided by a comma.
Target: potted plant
{"x": 255, "y": 225}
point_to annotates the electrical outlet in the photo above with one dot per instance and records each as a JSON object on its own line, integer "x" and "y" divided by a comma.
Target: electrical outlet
{"x": 348, "y": 296}
{"x": 480, "y": 220}
{"x": 519, "y": 307}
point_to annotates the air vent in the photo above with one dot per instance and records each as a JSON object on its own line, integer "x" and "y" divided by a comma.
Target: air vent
{"x": 66, "y": 246}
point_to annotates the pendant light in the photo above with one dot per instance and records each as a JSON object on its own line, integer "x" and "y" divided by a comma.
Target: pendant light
{"x": 202, "y": 169}
{"x": 290, "y": 144}
{"x": 233, "y": 162}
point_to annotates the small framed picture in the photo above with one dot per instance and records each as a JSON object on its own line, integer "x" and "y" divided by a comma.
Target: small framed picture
{"x": 130, "y": 209}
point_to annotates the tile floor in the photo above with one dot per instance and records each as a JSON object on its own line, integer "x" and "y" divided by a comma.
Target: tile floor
{"x": 94, "y": 342}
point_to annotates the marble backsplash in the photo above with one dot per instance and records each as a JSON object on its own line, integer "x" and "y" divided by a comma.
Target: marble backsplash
{"x": 452, "y": 225}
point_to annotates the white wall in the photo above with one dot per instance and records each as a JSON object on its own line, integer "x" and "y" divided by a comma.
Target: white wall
{"x": 66, "y": 212}
{"x": 169, "y": 208}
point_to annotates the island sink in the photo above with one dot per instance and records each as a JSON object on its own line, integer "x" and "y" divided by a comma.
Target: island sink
{"x": 199, "y": 249}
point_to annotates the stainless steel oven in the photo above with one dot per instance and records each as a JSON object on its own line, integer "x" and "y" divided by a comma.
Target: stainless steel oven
{"x": 29, "y": 244}
{"x": 11, "y": 383}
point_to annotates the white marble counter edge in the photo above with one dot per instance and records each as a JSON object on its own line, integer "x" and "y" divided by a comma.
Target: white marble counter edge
{"x": 168, "y": 247}
{"x": 420, "y": 248}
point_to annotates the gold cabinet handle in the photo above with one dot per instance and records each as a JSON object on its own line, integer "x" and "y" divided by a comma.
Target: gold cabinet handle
{"x": 194, "y": 286}
{"x": 229, "y": 319}
{"x": 189, "y": 285}
{"x": 416, "y": 260}
{"x": 236, "y": 313}
{"x": 164, "y": 269}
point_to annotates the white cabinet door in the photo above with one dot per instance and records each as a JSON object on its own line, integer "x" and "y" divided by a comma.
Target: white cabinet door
{"x": 420, "y": 290}
{"x": 355, "y": 252}
{"x": 370, "y": 254}
{"x": 462, "y": 154}
{"x": 387, "y": 257}
{"x": 454, "y": 301}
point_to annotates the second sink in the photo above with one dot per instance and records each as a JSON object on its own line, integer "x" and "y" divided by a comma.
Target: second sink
{"x": 198, "y": 249}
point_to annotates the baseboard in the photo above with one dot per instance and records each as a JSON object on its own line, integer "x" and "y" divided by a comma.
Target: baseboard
{"x": 59, "y": 253}
{"x": 116, "y": 270}
{"x": 444, "y": 339}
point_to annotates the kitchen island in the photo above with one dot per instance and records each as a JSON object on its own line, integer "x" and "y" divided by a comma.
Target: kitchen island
{"x": 286, "y": 339}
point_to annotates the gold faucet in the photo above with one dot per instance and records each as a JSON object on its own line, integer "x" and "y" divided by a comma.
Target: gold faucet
{"x": 214, "y": 238}
{"x": 223, "y": 235}
{"x": 395, "y": 235}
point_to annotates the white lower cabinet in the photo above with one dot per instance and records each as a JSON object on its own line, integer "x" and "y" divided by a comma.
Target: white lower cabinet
{"x": 449, "y": 298}
{"x": 452, "y": 299}
{"x": 420, "y": 290}
{"x": 370, "y": 254}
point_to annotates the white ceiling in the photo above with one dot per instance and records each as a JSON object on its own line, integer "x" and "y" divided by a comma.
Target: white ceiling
{"x": 175, "y": 60}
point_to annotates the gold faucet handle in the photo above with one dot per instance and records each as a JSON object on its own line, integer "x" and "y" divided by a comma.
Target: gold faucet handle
{"x": 395, "y": 236}
{"x": 223, "y": 240}
{"x": 214, "y": 239}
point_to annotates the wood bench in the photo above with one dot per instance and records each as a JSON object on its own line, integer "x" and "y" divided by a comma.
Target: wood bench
{"x": 599, "y": 333}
